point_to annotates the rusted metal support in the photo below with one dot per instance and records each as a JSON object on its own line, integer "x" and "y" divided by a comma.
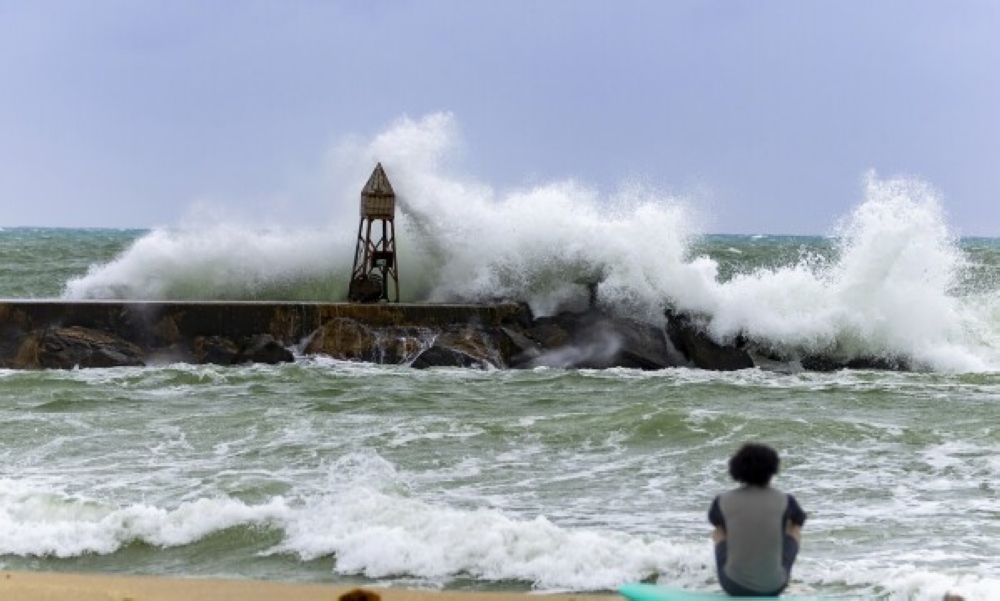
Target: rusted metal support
{"x": 375, "y": 276}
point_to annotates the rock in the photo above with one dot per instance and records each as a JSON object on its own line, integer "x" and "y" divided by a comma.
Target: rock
{"x": 827, "y": 363}
{"x": 263, "y": 348}
{"x": 594, "y": 340}
{"x": 518, "y": 347}
{"x": 348, "y": 340}
{"x": 221, "y": 350}
{"x": 466, "y": 346}
{"x": 224, "y": 333}
{"x": 688, "y": 337}
{"x": 442, "y": 356}
{"x": 644, "y": 346}
{"x": 66, "y": 348}
{"x": 553, "y": 332}
{"x": 687, "y": 334}
{"x": 214, "y": 350}
{"x": 343, "y": 338}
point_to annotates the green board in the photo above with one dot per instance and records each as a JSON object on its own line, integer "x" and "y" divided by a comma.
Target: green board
{"x": 654, "y": 592}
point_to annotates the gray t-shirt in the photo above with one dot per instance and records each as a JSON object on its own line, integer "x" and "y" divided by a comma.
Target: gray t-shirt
{"x": 754, "y": 519}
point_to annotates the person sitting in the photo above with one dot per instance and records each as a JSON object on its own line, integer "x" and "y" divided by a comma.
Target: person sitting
{"x": 757, "y": 527}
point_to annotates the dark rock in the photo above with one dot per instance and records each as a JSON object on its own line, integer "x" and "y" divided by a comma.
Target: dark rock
{"x": 552, "y": 332}
{"x": 594, "y": 340}
{"x": 644, "y": 346}
{"x": 518, "y": 347}
{"x": 880, "y": 363}
{"x": 688, "y": 337}
{"x": 442, "y": 356}
{"x": 263, "y": 348}
{"x": 66, "y": 348}
{"x": 221, "y": 350}
{"x": 215, "y": 350}
{"x": 465, "y": 346}
{"x": 827, "y": 363}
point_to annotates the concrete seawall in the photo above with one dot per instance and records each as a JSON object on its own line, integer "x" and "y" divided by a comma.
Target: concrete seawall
{"x": 27, "y": 326}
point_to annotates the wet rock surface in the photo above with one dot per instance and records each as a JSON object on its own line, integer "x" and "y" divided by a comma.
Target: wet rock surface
{"x": 66, "y": 348}
{"x": 593, "y": 340}
{"x": 688, "y": 336}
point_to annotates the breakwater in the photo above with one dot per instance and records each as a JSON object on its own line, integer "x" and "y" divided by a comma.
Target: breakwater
{"x": 44, "y": 334}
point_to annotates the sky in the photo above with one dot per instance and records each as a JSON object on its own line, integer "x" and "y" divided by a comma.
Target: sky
{"x": 768, "y": 114}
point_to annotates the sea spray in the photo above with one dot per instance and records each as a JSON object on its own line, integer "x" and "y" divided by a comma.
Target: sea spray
{"x": 896, "y": 276}
{"x": 221, "y": 262}
{"x": 459, "y": 240}
{"x": 888, "y": 291}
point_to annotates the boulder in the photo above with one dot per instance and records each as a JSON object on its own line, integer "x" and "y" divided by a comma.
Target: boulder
{"x": 66, "y": 348}
{"x": 263, "y": 348}
{"x": 221, "y": 350}
{"x": 443, "y": 356}
{"x": 594, "y": 340}
{"x": 214, "y": 350}
{"x": 463, "y": 346}
{"x": 348, "y": 340}
{"x": 688, "y": 337}
{"x": 343, "y": 338}
{"x": 517, "y": 347}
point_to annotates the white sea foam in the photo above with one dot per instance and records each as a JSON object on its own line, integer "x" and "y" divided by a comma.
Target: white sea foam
{"x": 383, "y": 536}
{"x": 40, "y": 522}
{"x": 890, "y": 290}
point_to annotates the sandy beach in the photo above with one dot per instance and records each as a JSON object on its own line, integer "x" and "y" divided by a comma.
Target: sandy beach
{"x": 52, "y": 586}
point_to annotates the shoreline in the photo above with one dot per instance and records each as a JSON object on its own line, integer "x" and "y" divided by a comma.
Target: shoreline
{"x": 63, "y": 586}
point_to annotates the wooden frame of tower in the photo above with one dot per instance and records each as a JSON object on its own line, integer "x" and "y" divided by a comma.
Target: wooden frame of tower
{"x": 375, "y": 269}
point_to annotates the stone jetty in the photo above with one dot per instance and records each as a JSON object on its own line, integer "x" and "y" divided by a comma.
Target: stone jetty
{"x": 54, "y": 334}
{"x": 61, "y": 334}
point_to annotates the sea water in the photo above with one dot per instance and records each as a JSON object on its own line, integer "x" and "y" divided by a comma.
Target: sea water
{"x": 548, "y": 479}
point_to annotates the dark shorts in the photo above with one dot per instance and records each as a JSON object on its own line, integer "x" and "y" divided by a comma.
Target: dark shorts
{"x": 789, "y": 551}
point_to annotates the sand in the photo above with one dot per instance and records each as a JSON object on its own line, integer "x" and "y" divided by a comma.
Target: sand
{"x": 53, "y": 586}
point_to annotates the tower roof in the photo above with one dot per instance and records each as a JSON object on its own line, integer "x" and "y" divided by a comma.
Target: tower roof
{"x": 378, "y": 184}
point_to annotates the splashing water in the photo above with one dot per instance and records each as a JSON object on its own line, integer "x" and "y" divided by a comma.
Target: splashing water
{"x": 890, "y": 289}
{"x": 219, "y": 262}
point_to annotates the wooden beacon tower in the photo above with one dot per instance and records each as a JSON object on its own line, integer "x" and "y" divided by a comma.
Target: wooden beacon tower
{"x": 375, "y": 270}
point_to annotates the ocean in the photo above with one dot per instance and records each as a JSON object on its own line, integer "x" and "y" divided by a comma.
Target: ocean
{"x": 547, "y": 479}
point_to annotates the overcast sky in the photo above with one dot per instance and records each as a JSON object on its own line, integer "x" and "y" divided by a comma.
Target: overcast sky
{"x": 123, "y": 113}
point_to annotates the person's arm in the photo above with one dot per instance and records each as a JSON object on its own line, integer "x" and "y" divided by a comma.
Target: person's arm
{"x": 795, "y": 518}
{"x": 716, "y": 518}
{"x": 794, "y": 530}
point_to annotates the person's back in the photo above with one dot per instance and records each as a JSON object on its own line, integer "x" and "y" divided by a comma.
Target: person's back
{"x": 756, "y": 527}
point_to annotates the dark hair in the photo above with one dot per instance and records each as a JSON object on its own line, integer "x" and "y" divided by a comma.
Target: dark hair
{"x": 359, "y": 594}
{"x": 754, "y": 464}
